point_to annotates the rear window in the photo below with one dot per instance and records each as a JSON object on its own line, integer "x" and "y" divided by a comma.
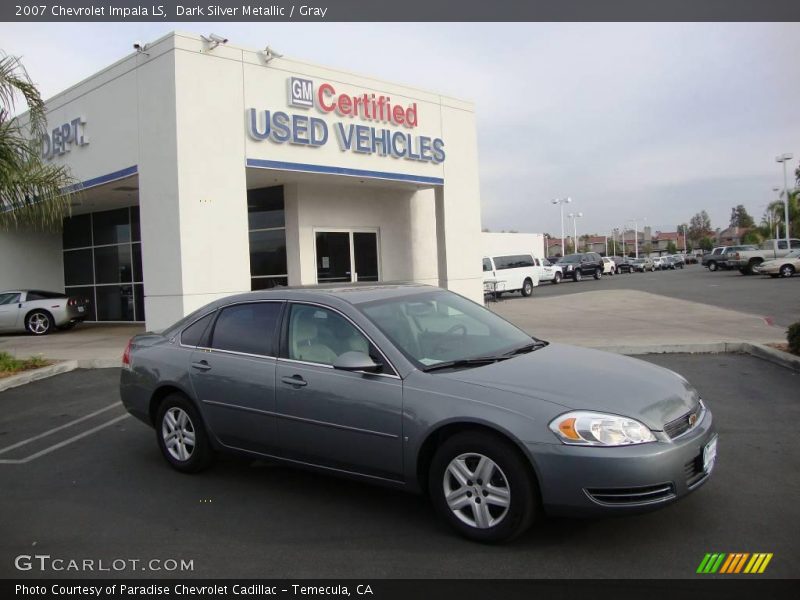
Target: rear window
{"x": 248, "y": 328}
{"x": 515, "y": 261}
{"x": 40, "y": 295}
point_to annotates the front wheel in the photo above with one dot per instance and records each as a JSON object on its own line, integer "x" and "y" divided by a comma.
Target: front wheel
{"x": 598, "y": 273}
{"x": 527, "y": 288}
{"x": 712, "y": 266}
{"x": 557, "y": 278}
{"x": 39, "y": 322}
{"x": 482, "y": 487}
{"x": 181, "y": 435}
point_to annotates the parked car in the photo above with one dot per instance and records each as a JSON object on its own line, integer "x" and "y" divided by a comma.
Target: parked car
{"x": 690, "y": 259}
{"x": 668, "y": 262}
{"x": 749, "y": 257}
{"x": 658, "y": 263}
{"x": 511, "y": 273}
{"x": 643, "y": 264}
{"x": 727, "y": 257}
{"x": 547, "y": 271}
{"x": 780, "y": 267}
{"x": 39, "y": 312}
{"x": 576, "y": 266}
{"x": 678, "y": 260}
{"x": 609, "y": 266}
{"x": 625, "y": 265}
{"x": 420, "y": 389}
{"x": 709, "y": 260}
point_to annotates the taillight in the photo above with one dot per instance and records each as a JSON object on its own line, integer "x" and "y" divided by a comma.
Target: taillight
{"x": 126, "y": 356}
{"x": 72, "y": 302}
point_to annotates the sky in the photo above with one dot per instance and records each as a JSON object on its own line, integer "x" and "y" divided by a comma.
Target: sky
{"x": 644, "y": 121}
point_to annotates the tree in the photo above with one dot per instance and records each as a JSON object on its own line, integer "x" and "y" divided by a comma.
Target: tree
{"x": 752, "y": 237}
{"x": 647, "y": 249}
{"x": 706, "y": 243}
{"x": 741, "y": 218}
{"x": 32, "y": 192}
{"x": 671, "y": 248}
{"x": 700, "y": 226}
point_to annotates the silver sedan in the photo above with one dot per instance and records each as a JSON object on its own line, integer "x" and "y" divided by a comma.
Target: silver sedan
{"x": 39, "y": 312}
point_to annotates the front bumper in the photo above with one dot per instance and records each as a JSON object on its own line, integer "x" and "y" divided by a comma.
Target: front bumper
{"x": 592, "y": 481}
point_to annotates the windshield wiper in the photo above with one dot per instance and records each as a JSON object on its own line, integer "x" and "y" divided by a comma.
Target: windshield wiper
{"x": 538, "y": 344}
{"x": 465, "y": 362}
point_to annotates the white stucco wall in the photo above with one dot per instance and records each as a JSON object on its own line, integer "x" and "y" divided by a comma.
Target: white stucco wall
{"x": 31, "y": 260}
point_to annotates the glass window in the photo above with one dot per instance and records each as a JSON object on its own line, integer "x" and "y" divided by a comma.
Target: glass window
{"x": 41, "y": 295}
{"x": 111, "y": 227}
{"x": 9, "y": 298}
{"x": 78, "y": 269}
{"x": 265, "y": 208}
{"x": 440, "y": 326}
{"x": 794, "y": 243}
{"x": 136, "y": 234}
{"x": 193, "y": 334}
{"x": 137, "y": 262}
{"x": 248, "y": 328}
{"x": 513, "y": 262}
{"x": 267, "y": 283}
{"x": 487, "y": 265}
{"x": 268, "y": 252}
{"x": 87, "y": 294}
{"x": 320, "y": 335}
{"x": 113, "y": 264}
{"x": 138, "y": 300}
{"x": 115, "y": 303}
{"x": 77, "y": 232}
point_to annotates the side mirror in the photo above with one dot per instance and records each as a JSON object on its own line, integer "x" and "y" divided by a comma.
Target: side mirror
{"x": 356, "y": 361}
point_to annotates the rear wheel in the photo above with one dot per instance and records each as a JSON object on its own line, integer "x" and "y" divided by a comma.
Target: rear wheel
{"x": 712, "y": 266}
{"x": 787, "y": 271}
{"x": 182, "y": 436}
{"x": 482, "y": 487}
{"x": 577, "y": 276}
{"x": 527, "y": 288}
{"x": 39, "y": 322}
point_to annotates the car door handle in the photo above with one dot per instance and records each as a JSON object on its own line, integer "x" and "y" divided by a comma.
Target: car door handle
{"x": 202, "y": 365}
{"x": 295, "y": 380}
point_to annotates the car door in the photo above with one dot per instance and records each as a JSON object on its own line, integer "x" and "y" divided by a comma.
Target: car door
{"x": 10, "y": 310}
{"x": 339, "y": 419}
{"x": 234, "y": 375}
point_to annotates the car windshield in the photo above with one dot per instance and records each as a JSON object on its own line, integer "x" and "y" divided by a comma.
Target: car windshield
{"x": 440, "y": 327}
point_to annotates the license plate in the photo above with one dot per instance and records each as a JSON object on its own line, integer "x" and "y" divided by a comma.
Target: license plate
{"x": 709, "y": 455}
{"x": 80, "y": 309}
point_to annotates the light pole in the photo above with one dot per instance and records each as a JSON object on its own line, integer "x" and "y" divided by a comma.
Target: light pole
{"x": 636, "y": 233}
{"x": 561, "y": 202}
{"x": 574, "y": 217}
{"x": 684, "y": 240}
{"x": 784, "y": 158}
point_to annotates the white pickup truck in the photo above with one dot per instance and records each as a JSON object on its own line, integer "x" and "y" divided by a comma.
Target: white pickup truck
{"x": 548, "y": 271}
{"x": 747, "y": 260}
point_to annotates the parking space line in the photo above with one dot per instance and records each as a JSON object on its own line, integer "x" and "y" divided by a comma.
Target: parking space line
{"x": 75, "y": 438}
{"x": 59, "y": 428}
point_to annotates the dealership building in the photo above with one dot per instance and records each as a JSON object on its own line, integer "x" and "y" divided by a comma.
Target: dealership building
{"x": 208, "y": 170}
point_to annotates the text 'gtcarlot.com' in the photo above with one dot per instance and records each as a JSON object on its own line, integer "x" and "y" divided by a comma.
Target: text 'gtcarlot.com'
{"x": 45, "y": 562}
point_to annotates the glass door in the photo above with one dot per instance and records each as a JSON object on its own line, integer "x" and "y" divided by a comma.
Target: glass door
{"x": 346, "y": 256}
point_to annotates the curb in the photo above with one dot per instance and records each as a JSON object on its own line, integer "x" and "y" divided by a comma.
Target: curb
{"x": 37, "y": 374}
{"x": 773, "y": 355}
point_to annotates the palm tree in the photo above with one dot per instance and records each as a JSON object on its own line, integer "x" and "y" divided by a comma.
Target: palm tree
{"x": 32, "y": 192}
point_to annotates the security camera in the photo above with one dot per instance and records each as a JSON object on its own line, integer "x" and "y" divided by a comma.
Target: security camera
{"x": 217, "y": 38}
{"x": 140, "y": 47}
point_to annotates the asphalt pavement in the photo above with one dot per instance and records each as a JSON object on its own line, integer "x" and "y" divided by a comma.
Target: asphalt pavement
{"x": 98, "y": 489}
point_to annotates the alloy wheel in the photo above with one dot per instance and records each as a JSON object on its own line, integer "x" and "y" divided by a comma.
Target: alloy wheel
{"x": 178, "y": 433}
{"x": 38, "y": 323}
{"x": 476, "y": 490}
{"x": 787, "y": 271}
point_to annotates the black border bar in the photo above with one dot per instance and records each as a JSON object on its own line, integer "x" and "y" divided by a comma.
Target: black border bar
{"x": 400, "y": 10}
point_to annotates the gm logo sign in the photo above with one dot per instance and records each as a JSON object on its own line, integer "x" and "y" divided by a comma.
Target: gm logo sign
{"x": 301, "y": 92}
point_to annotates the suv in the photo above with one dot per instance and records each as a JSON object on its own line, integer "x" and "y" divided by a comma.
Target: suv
{"x": 583, "y": 263}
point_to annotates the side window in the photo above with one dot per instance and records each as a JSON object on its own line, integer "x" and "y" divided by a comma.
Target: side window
{"x": 794, "y": 244}
{"x": 320, "y": 335}
{"x": 248, "y": 328}
{"x": 487, "y": 265}
{"x": 194, "y": 334}
{"x": 781, "y": 244}
{"x": 9, "y": 299}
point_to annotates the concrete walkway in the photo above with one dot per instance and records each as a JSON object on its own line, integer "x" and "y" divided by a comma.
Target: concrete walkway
{"x": 632, "y": 319}
{"x": 92, "y": 345}
{"x": 626, "y": 321}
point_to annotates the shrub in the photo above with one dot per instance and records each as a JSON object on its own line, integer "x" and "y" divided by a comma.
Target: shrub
{"x": 9, "y": 364}
{"x": 793, "y": 337}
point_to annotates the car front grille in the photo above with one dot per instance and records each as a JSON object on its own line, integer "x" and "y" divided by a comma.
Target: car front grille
{"x": 693, "y": 470}
{"x": 632, "y": 496}
{"x": 685, "y": 422}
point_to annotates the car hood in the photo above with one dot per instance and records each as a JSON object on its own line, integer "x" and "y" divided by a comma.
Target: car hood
{"x": 585, "y": 379}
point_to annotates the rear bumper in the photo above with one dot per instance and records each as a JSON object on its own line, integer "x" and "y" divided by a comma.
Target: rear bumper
{"x": 586, "y": 481}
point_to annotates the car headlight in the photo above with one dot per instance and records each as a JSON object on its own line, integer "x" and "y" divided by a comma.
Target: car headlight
{"x": 582, "y": 428}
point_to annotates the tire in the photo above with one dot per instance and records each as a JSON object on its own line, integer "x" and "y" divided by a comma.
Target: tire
{"x": 183, "y": 457}
{"x": 556, "y": 278}
{"x": 455, "y": 467}
{"x": 712, "y": 266}
{"x": 577, "y": 275}
{"x": 39, "y": 322}
{"x": 743, "y": 271}
{"x": 752, "y": 264}
{"x": 598, "y": 273}
{"x": 786, "y": 271}
{"x": 527, "y": 288}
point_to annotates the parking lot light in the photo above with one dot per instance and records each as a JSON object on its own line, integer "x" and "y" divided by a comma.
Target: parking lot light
{"x": 561, "y": 202}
